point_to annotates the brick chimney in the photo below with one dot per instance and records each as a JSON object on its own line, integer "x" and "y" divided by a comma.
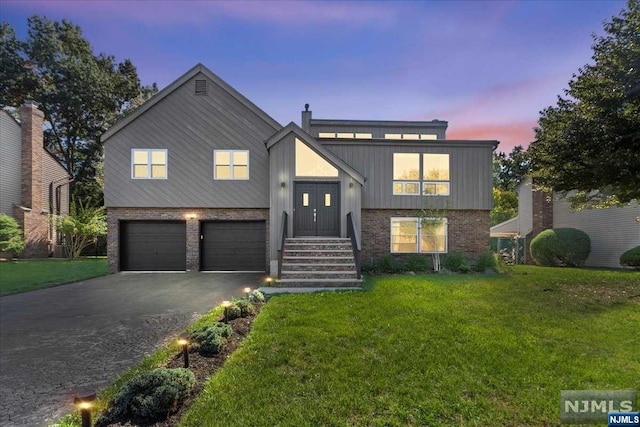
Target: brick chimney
{"x": 31, "y": 121}
{"x": 542, "y": 212}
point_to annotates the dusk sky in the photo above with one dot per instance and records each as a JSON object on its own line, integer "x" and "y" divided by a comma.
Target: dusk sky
{"x": 487, "y": 67}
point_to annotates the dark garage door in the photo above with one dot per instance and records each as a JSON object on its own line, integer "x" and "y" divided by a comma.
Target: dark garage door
{"x": 233, "y": 246}
{"x": 153, "y": 246}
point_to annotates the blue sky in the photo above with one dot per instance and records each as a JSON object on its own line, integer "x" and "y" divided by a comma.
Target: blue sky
{"x": 487, "y": 67}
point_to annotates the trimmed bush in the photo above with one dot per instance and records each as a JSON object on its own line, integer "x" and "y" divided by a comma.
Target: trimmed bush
{"x": 210, "y": 339}
{"x": 455, "y": 261}
{"x": 631, "y": 258}
{"x": 233, "y": 311}
{"x": 486, "y": 261}
{"x": 11, "y": 239}
{"x": 150, "y": 396}
{"x": 388, "y": 264}
{"x": 561, "y": 247}
{"x": 418, "y": 263}
{"x": 256, "y": 296}
{"x": 246, "y": 308}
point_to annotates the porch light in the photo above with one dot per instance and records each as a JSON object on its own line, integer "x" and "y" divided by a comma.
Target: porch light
{"x": 247, "y": 291}
{"x": 191, "y": 215}
{"x": 226, "y": 305}
{"x": 185, "y": 350}
{"x": 84, "y": 402}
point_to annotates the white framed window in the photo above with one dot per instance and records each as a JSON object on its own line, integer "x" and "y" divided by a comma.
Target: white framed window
{"x": 149, "y": 163}
{"x": 419, "y": 235}
{"x": 416, "y": 174}
{"x": 231, "y": 164}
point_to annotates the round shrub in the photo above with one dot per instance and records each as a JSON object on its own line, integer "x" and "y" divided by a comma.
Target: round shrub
{"x": 210, "y": 339}
{"x": 561, "y": 247}
{"x": 631, "y": 258}
{"x": 256, "y": 296}
{"x": 11, "y": 239}
{"x": 246, "y": 308}
{"x": 150, "y": 396}
{"x": 233, "y": 311}
{"x": 212, "y": 345}
{"x": 486, "y": 261}
{"x": 455, "y": 261}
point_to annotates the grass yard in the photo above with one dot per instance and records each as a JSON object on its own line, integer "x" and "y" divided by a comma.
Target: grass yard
{"x": 29, "y": 275}
{"x": 463, "y": 350}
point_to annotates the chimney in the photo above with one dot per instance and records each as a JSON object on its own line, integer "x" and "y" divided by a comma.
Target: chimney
{"x": 31, "y": 120}
{"x": 306, "y": 119}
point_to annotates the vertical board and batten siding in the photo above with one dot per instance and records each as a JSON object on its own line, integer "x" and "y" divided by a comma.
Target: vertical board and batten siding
{"x": 525, "y": 207}
{"x": 53, "y": 172}
{"x": 10, "y": 163}
{"x": 470, "y": 174}
{"x": 613, "y": 231}
{"x": 282, "y": 160}
{"x": 190, "y": 127}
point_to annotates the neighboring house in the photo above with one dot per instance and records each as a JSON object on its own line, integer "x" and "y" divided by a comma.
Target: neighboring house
{"x": 612, "y": 231}
{"x": 33, "y": 184}
{"x": 200, "y": 178}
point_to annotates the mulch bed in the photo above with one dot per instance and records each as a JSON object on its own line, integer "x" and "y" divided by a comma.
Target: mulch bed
{"x": 204, "y": 367}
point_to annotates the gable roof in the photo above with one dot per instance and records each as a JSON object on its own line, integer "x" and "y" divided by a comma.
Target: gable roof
{"x": 313, "y": 144}
{"x": 199, "y": 68}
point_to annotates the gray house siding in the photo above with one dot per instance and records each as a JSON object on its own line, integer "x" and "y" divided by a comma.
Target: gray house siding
{"x": 190, "y": 127}
{"x": 10, "y": 173}
{"x": 54, "y": 173}
{"x": 470, "y": 173}
{"x": 612, "y": 231}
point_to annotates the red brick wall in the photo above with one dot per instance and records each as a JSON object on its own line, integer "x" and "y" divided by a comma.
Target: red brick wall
{"x": 192, "y": 218}
{"x": 468, "y": 231}
{"x": 542, "y": 212}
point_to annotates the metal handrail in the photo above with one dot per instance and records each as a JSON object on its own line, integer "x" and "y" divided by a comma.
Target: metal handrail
{"x": 352, "y": 233}
{"x": 283, "y": 238}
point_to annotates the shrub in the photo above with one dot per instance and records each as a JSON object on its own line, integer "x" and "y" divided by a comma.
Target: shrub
{"x": 210, "y": 339}
{"x": 561, "y": 247}
{"x": 150, "y": 396}
{"x": 418, "y": 263}
{"x": 256, "y": 296}
{"x": 455, "y": 261}
{"x": 233, "y": 311}
{"x": 11, "y": 239}
{"x": 486, "y": 261}
{"x": 388, "y": 264}
{"x": 246, "y": 308}
{"x": 631, "y": 257}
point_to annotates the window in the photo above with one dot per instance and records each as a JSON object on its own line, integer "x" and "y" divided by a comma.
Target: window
{"x": 411, "y": 136}
{"x": 433, "y": 181}
{"x": 231, "y": 164}
{"x": 310, "y": 163}
{"x": 418, "y": 235}
{"x": 148, "y": 163}
{"x": 345, "y": 135}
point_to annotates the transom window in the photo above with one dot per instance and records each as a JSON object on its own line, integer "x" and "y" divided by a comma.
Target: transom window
{"x": 411, "y": 136}
{"x": 310, "y": 163}
{"x": 426, "y": 174}
{"x": 231, "y": 164}
{"x": 345, "y": 135}
{"x": 148, "y": 163}
{"x": 419, "y": 235}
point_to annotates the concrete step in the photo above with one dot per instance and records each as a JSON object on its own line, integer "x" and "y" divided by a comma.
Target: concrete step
{"x": 310, "y": 266}
{"x": 317, "y": 252}
{"x": 289, "y": 274}
{"x": 329, "y": 283}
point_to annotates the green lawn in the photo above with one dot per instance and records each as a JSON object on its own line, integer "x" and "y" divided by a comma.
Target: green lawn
{"x": 464, "y": 350}
{"x": 29, "y": 275}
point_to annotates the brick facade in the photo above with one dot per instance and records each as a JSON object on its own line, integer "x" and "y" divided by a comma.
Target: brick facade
{"x": 192, "y": 217}
{"x": 468, "y": 231}
{"x": 542, "y": 214}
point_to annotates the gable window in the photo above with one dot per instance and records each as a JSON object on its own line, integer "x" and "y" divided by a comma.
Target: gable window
{"x": 148, "y": 163}
{"x": 231, "y": 164}
{"x": 419, "y": 235}
{"x": 426, "y": 174}
{"x": 310, "y": 163}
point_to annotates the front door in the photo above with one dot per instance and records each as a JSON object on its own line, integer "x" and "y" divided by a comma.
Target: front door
{"x": 316, "y": 209}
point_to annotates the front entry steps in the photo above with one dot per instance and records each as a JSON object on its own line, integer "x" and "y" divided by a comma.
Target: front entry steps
{"x": 318, "y": 262}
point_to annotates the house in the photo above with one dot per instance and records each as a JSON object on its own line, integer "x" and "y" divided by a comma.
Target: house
{"x": 33, "y": 184}
{"x": 200, "y": 178}
{"x": 612, "y": 231}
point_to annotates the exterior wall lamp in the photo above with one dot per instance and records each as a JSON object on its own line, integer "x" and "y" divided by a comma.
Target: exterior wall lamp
{"x": 283, "y": 184}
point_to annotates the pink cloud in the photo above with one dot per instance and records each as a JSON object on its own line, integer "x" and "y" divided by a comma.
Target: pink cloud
{"x": 509, "y": 134}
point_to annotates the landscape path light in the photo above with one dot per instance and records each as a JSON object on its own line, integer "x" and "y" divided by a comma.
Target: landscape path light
{"x": 247, "y": 291}
{"x": 185, "y": 350}
{"x": 226, "y": 305}
{"x": 84, "y": 402}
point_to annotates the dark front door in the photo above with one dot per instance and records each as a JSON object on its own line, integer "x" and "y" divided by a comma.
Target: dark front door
{"x": 316, "y": 209}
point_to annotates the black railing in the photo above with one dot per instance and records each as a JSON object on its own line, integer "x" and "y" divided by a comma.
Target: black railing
{"x": 283, "y": 238}
{"x": 352, "y": 233}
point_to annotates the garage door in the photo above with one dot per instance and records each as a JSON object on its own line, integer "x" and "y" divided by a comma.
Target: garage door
{"x": 233, "y": 246}
{"x": 153, "y": 246}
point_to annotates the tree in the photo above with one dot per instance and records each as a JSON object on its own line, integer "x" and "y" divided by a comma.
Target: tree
{"x": 590, "y": 140}
{"x": 510, "y": 170}
{"x": 505, "y": 206}
{"x": 81, "y": 227}
{"x": 11, "y": 239}
{"x": 81, "y": 94}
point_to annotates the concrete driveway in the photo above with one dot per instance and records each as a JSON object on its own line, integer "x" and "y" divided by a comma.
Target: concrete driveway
{"x": 83, "y": 335}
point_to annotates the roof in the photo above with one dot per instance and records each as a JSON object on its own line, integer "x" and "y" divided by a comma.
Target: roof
{"x": 313, "y": 144}
{"x": 199, "y": 68}
{"x": 508, "y": 228}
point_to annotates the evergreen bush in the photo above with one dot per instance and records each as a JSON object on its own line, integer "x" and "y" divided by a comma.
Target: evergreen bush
{"x": 561, "y": 247}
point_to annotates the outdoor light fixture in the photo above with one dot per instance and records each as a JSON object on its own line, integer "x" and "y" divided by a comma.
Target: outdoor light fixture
{"x": 268, "y": 280}
{"x": 185, "y": 350}
{"x": 247, "y": 291}
{"x": 226, "y": 305}
{"x": 282, "y": 184}
{"x": 84, "y": 402}
{"x": 191, "y": 216}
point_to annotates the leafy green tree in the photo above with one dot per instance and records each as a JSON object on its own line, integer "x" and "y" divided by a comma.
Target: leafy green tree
{"x": 81, "y": 94}
{"x": 590, "y": 140}
{"x": 11, "y": 239}
{"x": 81, "y": 227}
{"x": 505, "y": 206}
{"x": 509, "y": 170}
